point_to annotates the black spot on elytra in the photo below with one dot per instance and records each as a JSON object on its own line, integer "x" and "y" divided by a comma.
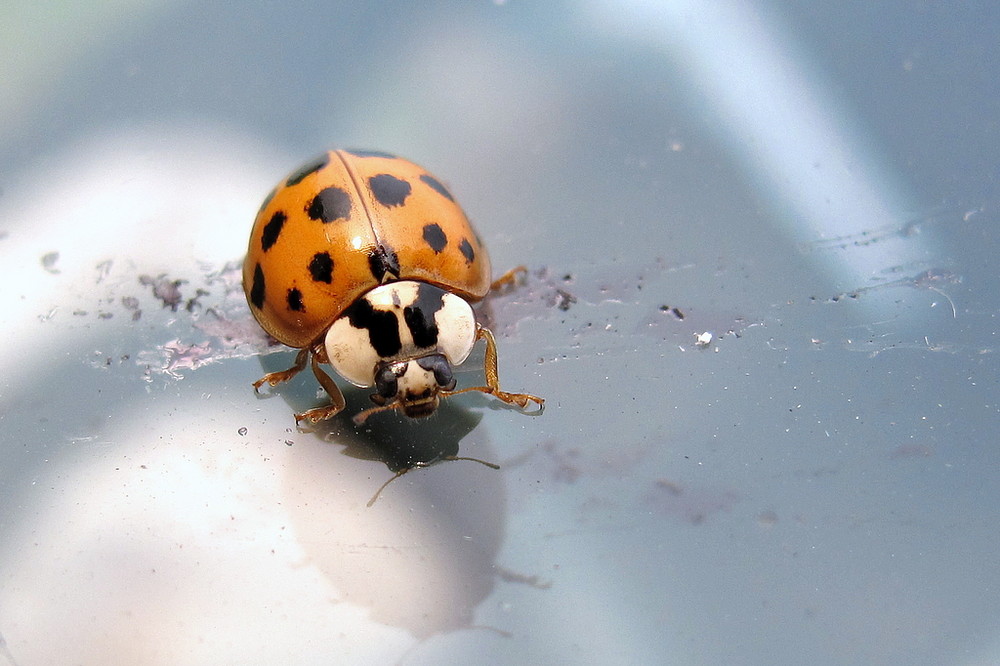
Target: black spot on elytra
{"x": 382, "y": 327}
{"x": 257, "y": 288}
{"x": 332, "y": 203}
{"x": 309, "y": 167}
{"x": 435, "y": 237}
{"x": 294, "y": 299}
{"x": 383, "y": 261}
{"x": 370, "y": 153}
{"x": 389, "y": 190}
{"x": 419, "y": 317}
{"x": 465, "y": 247}
{"x": 272, "y": 230}
{"x": 321, "y": 267}
{"x": 437, "y": 186}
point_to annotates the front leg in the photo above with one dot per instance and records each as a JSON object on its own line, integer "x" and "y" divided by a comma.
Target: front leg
{"x": 337, "y": 401}
{"x": 493, "y": 377}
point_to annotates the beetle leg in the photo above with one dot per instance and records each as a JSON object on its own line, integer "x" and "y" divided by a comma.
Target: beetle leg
{"x": 510, "y": 278}
{"x": 275, "y": 378}
{"x": 326, "y": 381}
{"x": 493, "y": 378}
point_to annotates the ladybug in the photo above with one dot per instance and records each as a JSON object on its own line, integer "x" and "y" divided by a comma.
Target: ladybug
{"x": 364, "y": 261}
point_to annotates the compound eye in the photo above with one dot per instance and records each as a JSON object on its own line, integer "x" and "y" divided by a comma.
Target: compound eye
{"x": 439, "y": 365}
{"x": 386, "y": 385}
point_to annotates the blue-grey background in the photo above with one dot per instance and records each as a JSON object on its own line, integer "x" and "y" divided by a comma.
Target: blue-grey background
{"x": 813, "y": 184}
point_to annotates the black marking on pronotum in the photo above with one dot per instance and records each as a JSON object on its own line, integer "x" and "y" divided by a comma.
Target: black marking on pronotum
{"x": 435, "y": 237}
{"x": 312, "y": 166}
{"x": 465, "y": 247}
{"x": 382, "y": 327}
{"x": 332, "y": 203}
{"x": 257, "y": 288}
{"x": 383, "y": 261}
{"x": 389, "y": 190}
{"x": 419, "y": 316}
{"x": 371, "y": 153}
{"x": 272, "y": 230}
{"x": 321, "y": 267}
{"x": 294, "y": 300}
{"x": 437, "y": 186}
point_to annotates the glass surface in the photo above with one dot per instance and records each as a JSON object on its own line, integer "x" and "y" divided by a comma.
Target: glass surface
{"x": 761, "y": 306}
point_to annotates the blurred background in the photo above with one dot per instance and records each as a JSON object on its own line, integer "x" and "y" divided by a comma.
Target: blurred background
{"x": 761, "y": 305}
